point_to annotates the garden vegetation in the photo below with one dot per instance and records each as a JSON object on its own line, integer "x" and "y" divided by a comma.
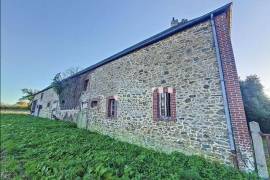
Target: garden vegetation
{"x": 256, "y": 102}
{"x": 35, "y": 148}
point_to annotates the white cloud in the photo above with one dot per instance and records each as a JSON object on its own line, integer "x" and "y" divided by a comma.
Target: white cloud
{"x": 267, "y": 91}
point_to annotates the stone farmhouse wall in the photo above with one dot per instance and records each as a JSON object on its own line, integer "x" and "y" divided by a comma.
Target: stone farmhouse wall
{"x": 185, "y": 64}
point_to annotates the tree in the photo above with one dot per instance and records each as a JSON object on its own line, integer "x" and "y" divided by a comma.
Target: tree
{"x": 257, "y": 104}
{"x": 58, "y": 84}
{"x": 28, "y": 95}
{"x": 70, "y": 71}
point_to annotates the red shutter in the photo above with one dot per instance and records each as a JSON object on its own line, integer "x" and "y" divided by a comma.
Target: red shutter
{"x": 155, "y": 105}
{"x": 173, "y": 104}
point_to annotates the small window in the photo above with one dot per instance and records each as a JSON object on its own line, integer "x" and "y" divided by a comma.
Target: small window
{"x": 84, "y": 105}
{"x": 34, "y": 104}
{"x": 94, "y": 104}
{"x": 85, "y": 85}
{"x": 112, "y": 107}
{"x": 48, "y": 104}
{"x": 63, "y": 102}
{"x": 41, "y": 97}
{"x": 164, "y": 105}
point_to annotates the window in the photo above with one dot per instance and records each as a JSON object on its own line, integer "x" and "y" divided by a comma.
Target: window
{"x": 85, "y": 85}
{"x": 63, "y": 102}
{"x": 41, "y": 97}
{"x": 48, "y": 104}
{"x": 34, "y": 106}
{"x": 94, "y": 104}
{"x": 39, "y": 108}
{"x": 84, "y": 105}
{"x": 112, "y": 107}
{"x": 164, "y": 104}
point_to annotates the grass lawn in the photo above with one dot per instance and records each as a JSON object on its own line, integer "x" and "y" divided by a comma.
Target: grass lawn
{"x": 36, "y": 148}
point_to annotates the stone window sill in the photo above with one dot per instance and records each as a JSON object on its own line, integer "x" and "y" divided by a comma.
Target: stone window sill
{"x": 166, "y": 119}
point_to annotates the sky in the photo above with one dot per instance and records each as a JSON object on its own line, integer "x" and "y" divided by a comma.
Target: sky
{"x": 40, "y": 38}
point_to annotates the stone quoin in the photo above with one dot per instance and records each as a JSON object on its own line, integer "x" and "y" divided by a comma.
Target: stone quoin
{"x": 176, "y": 91}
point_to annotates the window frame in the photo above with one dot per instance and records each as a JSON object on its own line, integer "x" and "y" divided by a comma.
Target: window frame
{"x": 111, "y": 107}
{"x": 34, "y": 106}
{"x": 94, "y": 103}
{"x": 164, "y": 104}
{"x": 84, "y": 105}
{"x": 85, "y": 84}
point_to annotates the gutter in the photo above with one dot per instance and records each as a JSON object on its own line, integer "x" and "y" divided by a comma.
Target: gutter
{"x": 223, "y": 87}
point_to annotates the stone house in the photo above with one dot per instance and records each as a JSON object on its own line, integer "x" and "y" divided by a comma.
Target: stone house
{"x": 176, "y": 91}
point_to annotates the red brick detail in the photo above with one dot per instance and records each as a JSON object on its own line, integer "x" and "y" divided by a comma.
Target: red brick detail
{"x": 156, "y": 116}
{"x": 155, "y": 105}
{"x": 173, "y": 104}
{"x": 239, "y": 123}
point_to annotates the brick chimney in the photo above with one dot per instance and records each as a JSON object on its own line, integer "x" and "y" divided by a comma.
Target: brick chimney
{"x": 175, "y": 22}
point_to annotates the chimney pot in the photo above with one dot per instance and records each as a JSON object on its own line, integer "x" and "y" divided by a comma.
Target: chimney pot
{"x": 174, "y": 22}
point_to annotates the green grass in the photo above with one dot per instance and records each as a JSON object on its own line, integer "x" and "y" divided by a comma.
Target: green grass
{"x": 35, "y": 148}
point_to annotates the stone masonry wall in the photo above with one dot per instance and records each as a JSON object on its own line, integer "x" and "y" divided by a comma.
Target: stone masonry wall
{"x": 185, "y": 62}
{"x": 69, "y": 98}
{"x": 49, "y": 96}
{"x": 52, "y": 99}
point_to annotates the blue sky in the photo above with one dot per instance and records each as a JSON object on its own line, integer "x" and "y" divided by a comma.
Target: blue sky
{"x": 41, "y": 38}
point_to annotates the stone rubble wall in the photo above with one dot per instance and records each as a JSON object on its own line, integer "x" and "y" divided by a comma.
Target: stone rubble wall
{"x": 49, "y": 96}
{"x": 185, "y": 61}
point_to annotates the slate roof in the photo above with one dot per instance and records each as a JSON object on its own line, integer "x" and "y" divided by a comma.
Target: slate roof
{"x": 160, "y": 36}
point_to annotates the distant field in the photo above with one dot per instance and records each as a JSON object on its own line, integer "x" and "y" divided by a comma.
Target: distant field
{"x": 14, "y": 111}
{"x": 34, "y": 148}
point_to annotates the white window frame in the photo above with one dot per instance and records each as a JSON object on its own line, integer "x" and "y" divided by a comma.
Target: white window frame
{"x": 167, "y": 114}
